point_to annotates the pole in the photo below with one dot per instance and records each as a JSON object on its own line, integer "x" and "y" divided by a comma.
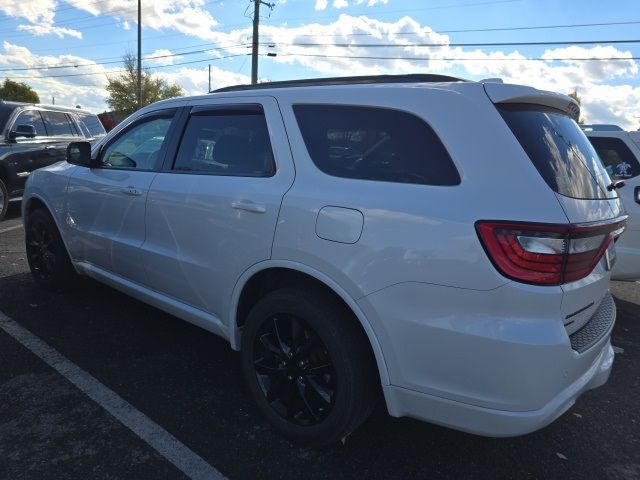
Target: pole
{"x": 254, "y": 48}
{"x": 139, "y": 89}
{"x": 209, "y": 79}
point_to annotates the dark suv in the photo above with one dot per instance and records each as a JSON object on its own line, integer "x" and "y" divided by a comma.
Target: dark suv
{"x": 35, "y": 136}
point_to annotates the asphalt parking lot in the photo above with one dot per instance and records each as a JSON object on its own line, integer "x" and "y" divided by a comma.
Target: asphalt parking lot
{"x": 188, "y": 382}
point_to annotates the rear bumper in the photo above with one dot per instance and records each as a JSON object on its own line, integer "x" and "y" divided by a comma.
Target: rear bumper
{"x": 495, "y": 423}
{"x": 495, "y": 363}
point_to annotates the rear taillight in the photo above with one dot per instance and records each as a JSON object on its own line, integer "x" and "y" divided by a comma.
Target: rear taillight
{"x": 546, "y": 254}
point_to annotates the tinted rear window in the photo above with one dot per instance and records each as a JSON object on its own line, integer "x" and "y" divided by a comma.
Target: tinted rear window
{"x": 372, "y": 143}
{"x": 619, "y": 161}
{"x": 559, "y": 150}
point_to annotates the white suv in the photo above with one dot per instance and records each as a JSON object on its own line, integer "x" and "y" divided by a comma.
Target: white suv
{"x": 620, "y": 152}
{"x": 445, "y": 242}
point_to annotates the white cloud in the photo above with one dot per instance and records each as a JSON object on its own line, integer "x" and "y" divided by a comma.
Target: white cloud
{"x": 371, "y": 3}
{"x": 186, "y": 16}
{"x": 89, "y": 90}
{"x": 321, "y": 4}
{"x": 340, "y": 3}
{"x": 601, "y": 100}
{"x": 162, "y": 56}
{"x": 40, "y": 14}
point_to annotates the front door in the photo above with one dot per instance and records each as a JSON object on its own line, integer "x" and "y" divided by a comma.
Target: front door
{"x": 106, "y": 205}
{"x": 212, "y": 211}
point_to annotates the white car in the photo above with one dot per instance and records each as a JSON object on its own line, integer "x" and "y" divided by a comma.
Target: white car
{"x": 446, "y": 243}
{"x": 620, "y": 153}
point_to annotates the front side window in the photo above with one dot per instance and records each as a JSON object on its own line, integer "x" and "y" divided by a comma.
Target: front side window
{"x": 138, "y": 147}
{"x": 619, "y": 161}
{"x": 31, "y": 117}
{"x": 372, "y": 143}
{"x": 226, "y": 142}
{"x": 58, "y": 124}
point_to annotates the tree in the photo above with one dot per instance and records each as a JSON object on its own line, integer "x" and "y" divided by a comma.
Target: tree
{"x": 575, "y": 96}
{"x": 18, "y": 92}
{"x": 122, "y": 88}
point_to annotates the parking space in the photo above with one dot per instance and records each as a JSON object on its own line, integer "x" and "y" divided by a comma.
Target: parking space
{"x": 188, "y": 382}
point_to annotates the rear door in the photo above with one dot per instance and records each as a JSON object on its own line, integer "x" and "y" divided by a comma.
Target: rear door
{"x": 60, "y": 132}
{"x": 620, "y": 158}
{"x": 106, "y": 205}
{"x": 212, "y": 211}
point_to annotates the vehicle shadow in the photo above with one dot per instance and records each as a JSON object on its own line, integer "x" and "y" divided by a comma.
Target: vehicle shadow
{"x": 189, "y": 381}
{"x": 13, "y": 211}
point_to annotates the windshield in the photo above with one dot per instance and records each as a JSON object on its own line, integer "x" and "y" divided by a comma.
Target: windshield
{"x": 560, "y": 151}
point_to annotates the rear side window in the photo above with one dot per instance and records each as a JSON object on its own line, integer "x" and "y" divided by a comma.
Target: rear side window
{"x": 371, "y": 143}
{"x": 58, "y": 124}
{"x": 559, "y": 150}
{"x": 227, "y": 142}
{"x": 31, "y": 117}
{"x": 92, "y": 123}
{"x": 619, "y": 161}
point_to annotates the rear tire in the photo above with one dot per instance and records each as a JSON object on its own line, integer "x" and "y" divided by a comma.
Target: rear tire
{"x": 4, "y": 200}
{"x": 308, "y": 366}
{"x": 46, "y": 253}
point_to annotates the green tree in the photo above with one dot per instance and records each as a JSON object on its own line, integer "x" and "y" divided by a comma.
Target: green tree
{"x": 122, "y": 88}
{"x": 575, "y": 96}
{"x": 18, "y": 92}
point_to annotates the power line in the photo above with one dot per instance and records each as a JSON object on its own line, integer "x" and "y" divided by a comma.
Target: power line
{"x": 154, "y": 67}
{"x": 154, "y": 57}
{"x": 494, "y": 29}
{"x": 452, "y": 44}
{"x": 453, "y": 59}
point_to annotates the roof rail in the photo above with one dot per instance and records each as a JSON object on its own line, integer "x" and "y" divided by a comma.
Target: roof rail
{"x": 602, "y": 128}
{"x": 366, "y": 79}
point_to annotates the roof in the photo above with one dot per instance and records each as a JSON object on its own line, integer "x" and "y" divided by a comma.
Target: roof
{"x": 355, "y": 80}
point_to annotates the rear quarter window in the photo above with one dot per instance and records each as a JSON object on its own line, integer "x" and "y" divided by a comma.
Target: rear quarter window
{"x": 559, "y": 150}
{"x": 371, "y": 143}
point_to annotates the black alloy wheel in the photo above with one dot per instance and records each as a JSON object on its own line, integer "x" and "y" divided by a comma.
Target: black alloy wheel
{"x": 308, "y": 365}
{"x": 47, "y": 256}
{"x": 40, "y": 251}
{"x": 294, "y": 370}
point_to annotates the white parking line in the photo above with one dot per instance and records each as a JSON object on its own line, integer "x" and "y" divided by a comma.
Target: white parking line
{"x": 8, "y": 229}
{"x": 153, "y": 434}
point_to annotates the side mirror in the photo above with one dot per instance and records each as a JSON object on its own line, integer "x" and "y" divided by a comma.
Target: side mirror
{"x": 79, "y": 153}
{"x": 28, "y": 131}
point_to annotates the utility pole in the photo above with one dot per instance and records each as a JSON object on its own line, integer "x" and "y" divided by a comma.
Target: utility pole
{"x": 254, "y": 47}
{"x": 209, "y": 91}
{"x": 139, "y": 90}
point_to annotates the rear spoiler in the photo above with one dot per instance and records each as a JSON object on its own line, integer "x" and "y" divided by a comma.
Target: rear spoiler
{"x": 506, "y": 93}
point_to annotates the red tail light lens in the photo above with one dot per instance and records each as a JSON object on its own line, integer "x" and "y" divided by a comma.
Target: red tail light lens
{"x": 546, "y": 254}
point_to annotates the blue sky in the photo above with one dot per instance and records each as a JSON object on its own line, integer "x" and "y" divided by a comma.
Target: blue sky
{"x": 94, "y": 34}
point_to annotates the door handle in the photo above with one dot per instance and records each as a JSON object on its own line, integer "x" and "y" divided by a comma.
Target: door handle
{"x": 249, "y": 207}
{"x": 131, "y": 191}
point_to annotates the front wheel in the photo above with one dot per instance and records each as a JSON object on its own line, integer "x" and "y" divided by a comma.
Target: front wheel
{"x": 308, "y": 365}
{"x": 47, "y": 256}
{"x": 4, "y": 200}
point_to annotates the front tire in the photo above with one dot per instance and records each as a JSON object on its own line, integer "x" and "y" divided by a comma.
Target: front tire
{"x": 4, "y": 200}
{"x": 308, "y": 366}
{"x": 47, "y": 256}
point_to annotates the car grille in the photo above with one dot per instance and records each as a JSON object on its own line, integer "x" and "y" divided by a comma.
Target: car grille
{"x": 598, "y": 325}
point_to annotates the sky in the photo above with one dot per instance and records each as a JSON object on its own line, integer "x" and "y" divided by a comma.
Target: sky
{"x": 66, "y": 49}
